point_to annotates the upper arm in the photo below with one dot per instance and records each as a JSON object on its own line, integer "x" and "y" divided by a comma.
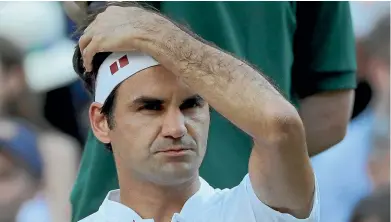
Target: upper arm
{"x": 324, "y": 71}
{"x": 325, "y": 117}
{"x": 242, "y": 204}
{"x": 324, "y": 60}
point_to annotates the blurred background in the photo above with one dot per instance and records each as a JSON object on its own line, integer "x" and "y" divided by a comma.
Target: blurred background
{"x": 44, "y": 120}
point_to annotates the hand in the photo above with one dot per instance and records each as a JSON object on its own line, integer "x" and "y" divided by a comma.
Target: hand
{"x": 120, "y": 29}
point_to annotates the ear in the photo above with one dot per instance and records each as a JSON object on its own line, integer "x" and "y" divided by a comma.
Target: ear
{"x": 99, "y": 124}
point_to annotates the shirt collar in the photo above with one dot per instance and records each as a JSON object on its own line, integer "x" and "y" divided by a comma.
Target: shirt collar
{"x": 197, "y": 200}
{"x": 113, "y": 210}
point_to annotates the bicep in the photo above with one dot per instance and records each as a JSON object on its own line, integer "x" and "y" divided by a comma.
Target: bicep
{"x": 243, "y": 200}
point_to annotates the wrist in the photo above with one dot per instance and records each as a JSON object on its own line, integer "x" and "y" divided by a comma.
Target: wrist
{"x": 172, "y": 47}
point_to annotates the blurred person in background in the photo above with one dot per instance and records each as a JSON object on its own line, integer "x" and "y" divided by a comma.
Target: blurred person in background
{"x": 21, "y": 173}
{"x": 374, "y": 208}
{"x": 377, "y": 46}
{"x": 343, "y": 170}
{"x": 46, "y": 48}
{"x": 306, "y": 48}
{"x": 59, "y": 151}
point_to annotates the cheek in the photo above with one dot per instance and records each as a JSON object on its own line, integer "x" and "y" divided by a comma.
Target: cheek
{"x": 198, "y": 126}
{"x": 133, "y": 135}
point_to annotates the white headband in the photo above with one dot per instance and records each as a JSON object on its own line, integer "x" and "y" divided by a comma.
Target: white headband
{"x": 116, "y": 68}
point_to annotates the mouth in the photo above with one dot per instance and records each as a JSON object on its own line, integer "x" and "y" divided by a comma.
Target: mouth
{"x": 176, "y": 151}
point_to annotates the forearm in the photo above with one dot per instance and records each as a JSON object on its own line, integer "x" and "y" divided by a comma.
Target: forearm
{"x": 245, "y": 97}
{"x": 233, "y": 88}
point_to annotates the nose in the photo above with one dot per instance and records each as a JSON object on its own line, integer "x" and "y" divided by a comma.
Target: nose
{"x": 174, "y": 124}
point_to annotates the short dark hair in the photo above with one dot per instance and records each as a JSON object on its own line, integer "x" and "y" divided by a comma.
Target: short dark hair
{"x": 89, "y": 78}
{"x": 10, "y": 54}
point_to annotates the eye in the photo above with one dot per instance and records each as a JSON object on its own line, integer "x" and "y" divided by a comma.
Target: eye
{"x": 152, "y": 107}
{"x": 191, "y": 103}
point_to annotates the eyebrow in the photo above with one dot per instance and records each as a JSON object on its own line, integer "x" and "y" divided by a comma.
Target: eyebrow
{"x": 148, "y": 100}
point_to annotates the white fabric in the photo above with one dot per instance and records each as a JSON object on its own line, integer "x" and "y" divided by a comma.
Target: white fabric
{"x": 36, "y": 209}
{"x": 32, "y": 24}
{"x": 50, "y": 68}
{"x": 208, "y": 204}
{"x": 107, "y": 80}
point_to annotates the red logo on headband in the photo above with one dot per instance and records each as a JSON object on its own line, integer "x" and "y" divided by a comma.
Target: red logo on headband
{"x": 123, "y": 61}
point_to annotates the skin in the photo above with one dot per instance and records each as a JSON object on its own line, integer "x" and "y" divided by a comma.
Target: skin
{"x": 16, "y": 184}
{"x": 325, "y": 117}
{"x": 62, "y": 162}
{"x": 279, "y": 168}
{"x": 324, "y": 125}
{"x": 16, "y": 187}
{"x": 379, "y": 160}
{"x": 155, "y": 113}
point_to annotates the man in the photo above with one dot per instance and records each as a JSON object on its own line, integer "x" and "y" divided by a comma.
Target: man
{"x": 16, "y": 100}
{"x": 154, "y": 116}
{"x": 21, "y": 169}
{"x": 343, "y": 183}
{"x": 269, "y": 36}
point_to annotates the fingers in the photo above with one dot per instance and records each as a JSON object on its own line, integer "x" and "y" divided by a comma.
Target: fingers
{"x": 89, "y": 51}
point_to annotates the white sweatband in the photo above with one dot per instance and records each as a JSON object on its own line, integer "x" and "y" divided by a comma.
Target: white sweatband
{"x": 116, "y": 68}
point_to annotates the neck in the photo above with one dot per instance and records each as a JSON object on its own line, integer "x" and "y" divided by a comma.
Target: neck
{"x": 151, "y": 200}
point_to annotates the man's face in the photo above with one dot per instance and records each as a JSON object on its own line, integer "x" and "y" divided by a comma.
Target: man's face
{"x": 16, "y": 187}
{"x": 161, "y": 127}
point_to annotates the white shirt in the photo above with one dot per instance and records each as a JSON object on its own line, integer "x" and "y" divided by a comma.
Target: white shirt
{"x": 207, "y": 204}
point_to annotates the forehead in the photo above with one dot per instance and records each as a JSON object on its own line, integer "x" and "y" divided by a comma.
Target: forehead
{"x": 154, "y": 81}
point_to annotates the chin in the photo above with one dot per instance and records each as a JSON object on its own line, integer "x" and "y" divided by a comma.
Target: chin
{"x": 177, "y": 172}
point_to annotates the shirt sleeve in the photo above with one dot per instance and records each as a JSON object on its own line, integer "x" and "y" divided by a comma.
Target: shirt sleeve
{"x": 324, "y": 48}
{"x": 262, "y": 211}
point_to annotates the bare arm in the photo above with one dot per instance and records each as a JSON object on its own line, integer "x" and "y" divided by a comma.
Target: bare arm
{"x": 280, "y": 170}
{"x": 61, "y": 158}
{"x": 75, "y": 10}
{"x": 279, "y": 166}
{"x": 325, "y": 117}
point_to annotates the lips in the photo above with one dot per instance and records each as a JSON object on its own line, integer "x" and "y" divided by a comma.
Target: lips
{"x": 174, "y": 149}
